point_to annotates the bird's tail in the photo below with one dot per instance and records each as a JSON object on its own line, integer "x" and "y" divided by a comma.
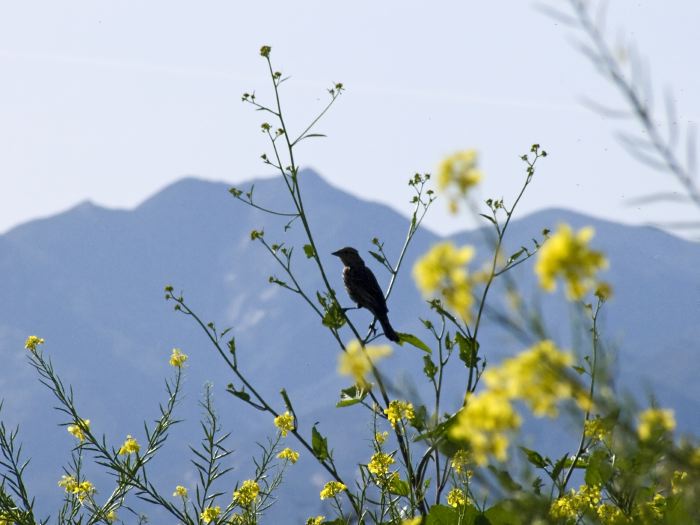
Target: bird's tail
{"x": 389, "y": 332}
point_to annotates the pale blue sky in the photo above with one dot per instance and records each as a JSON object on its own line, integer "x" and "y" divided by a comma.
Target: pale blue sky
{"x": 111, "y": 101}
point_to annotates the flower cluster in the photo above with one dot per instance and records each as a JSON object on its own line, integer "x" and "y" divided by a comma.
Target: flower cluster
{"x": 654, "y": 423}
{"x": 32, "y": 342}
{"x": 357, "y": 361}
{"x": 210, "y": 514}
{"x": 78, "y": 430}
{"x": 568, "y": 256}
{"x": 457, "y": 174}
{"x": 289, "y": 455}
{"x": 177, "y": 358}
{"x": 442, "y": 271}
{"x": 456, "y": 498}
{"x": 399, "y": 410}
{"x": 380, "y": 463}
{"x": 80, "y": 490}
{"x": 285, "y": 423}
{"x": 130, "y": 446}
{"x": 332, "y": 489}
{"x": 246, "y": 493}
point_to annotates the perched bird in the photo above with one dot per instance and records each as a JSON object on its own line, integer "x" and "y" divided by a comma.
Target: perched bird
{"x": 363, "y": 289}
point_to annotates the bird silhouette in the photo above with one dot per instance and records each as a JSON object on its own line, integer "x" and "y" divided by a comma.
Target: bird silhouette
{"x": 364, "y": 290}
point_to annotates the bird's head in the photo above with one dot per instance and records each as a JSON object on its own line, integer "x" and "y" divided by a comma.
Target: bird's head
{"x": 349, "y": 256}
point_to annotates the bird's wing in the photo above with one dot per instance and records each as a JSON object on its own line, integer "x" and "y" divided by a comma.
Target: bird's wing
{"x": 367, "y": 290}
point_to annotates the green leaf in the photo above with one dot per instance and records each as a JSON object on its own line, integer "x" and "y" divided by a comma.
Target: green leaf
{"x": 599, "y": 469}
{"x": 505, "y": 479}
{"x": 441, "y": 515}
{"x": 429, "y": 368}
{"x": 377, "y": 256}
{"x": 319, "y": 444}
{"x": 309, "y": 251}
{"x": 240, "y": 394}
{"x": 558, "y": 466}
{"x": 399, "y": 487}
{"x": 579, "y": 369}
{"x": 468, "y": 349}
{"x": 488, "y": 218}
{"x": 351, "y": 396}
{"x": 414, "y": 341}
{"x": 334, "y": 317}
{"x": 504, "y": 513}
{"x": 534, "y": 457}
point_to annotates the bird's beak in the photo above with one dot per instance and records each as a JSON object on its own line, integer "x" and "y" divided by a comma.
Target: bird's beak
{"x": 337, "y": 253}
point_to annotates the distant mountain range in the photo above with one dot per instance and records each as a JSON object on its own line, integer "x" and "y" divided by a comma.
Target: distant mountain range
{"x": 90, "y": 281}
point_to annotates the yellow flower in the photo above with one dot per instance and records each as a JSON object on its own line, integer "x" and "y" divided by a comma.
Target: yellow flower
{"x": 5, "y": 519}
{"x": 318, "y": 520}
{"x": 399, "y": 410}
{"x": 237, "y": 519}
{"x": 678, "y": 481}
{"x": 32, "y": 342}
{"x": 539, "y": 376}
{"x": 78, "y": 430}
{"x": 285, "y": 422}
{"x": 482, "y": 424}
{"x": 655, "y": 422}
{"x": 111, "y": 516}
{"x": 456, "y": 498}
{"x": 380, "y": 437}
{"x": 130, "y": 446}
{"x": 246, "y": 493}
{"x": 442, "y": 271}
{"x": 597, "y": 429}
{"x": 210, "y": 514}
{"x": 80, "y": 490}
{"x": 459, "y": 173}
{"x": 460, "y": 461}
{"x": 332, "y": 489}
{"x": 68, "y": 483}
{"x": 356, "y": 362}
{"x": 380, "y": 463}
{"x": 177, "y": 358}
{"x": 289, "y": 455}
{"x": 611, "y": 515}
{"x": 568, "y": 256}
{"x": 564, "y": 508}
{"x": 413, "y": 521}
{"x": 180, "y": 492}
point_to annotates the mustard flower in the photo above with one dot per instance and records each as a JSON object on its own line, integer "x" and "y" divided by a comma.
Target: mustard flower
{"x": 380, "y": 463}
{"x": 442, "y": 272}
{"x": 285, "y": 423}
{"x": 597, "y": 429}
{"x": 483, "y": 424}
{"x": 316, "y": 520}
{"x": 380, "y": 437}
{"x": 69, "y": 483}
{"x": 332, "y": 489}
{"x": 289, "y": 455}
{"x": 567, "y": 255}
{"x": 80, "y": 490}
{"x": 78, "y": 430}
{"x": 413, "y": 521}
{"x": 32, "y": 342}
{"x": 460, "y": 461}
{"x": 210, "y": 514}
{"x": 456, "y": 498}
{"x": 655, "y": 422}
{"x": 130, "y": 446}
{"x": 611, "y": 515}
{"x": 398, "y": 410}
{"x": 356, "y": 362}
{"x": 539, "y": 376}
{"x": 177, "y": 358}
{"x": 458, "y": 173}
{"x": 111, "y": 516}
{"x": 180, "y": 492}
{"x": 246, "y": 493}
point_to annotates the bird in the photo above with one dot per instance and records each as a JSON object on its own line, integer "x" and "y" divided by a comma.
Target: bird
{"x": 364, "y": 290}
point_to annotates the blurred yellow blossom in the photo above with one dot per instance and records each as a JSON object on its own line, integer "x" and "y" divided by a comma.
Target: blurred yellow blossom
{"x": 380, "y": 437}
{"x": 32, "y": 342}
{"x": 130, "y": 446}
{"x": 457, "y": 174}
{"x": 210, "y": 514}
{"x": 180, "y": 492}
{"x": 539, "y": 376}
{"x": 483, "y": 424}
{"x": 460, "y": 461}
{"x": 568, "y": 256}
{"x": 332, "y": 489}
{"x": 317, "y": 520}
{"x": 399, "y": 410}
{"x": 289, "y": 455}
{"x": 78, "y": 430}
{"x": 111, "y": 516}
{"x": 655, "y": 422}
{"x": 246, "y": 493}
{"x": 356, "y": 362}
{"x": 442, "y": 271}
{"x": 597, "y": 428}
{"x": 177, "y": 358}
{"x": 285, "y": 423}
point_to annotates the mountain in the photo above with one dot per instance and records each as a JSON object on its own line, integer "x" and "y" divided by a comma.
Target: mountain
{"x": 90, "y": 281}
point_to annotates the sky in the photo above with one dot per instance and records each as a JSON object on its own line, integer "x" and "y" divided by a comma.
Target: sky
{"x": 111, "y": 101}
